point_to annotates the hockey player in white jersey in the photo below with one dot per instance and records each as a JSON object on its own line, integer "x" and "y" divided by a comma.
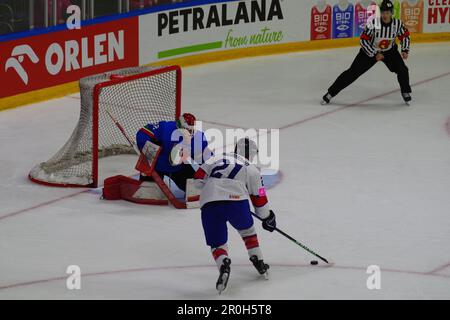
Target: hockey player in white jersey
{"x": 229, "y": 181}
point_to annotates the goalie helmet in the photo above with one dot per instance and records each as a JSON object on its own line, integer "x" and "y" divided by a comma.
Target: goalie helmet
{"x": 246, "y": 148}
{"x": 387, "y": 5}
{"x": 187, "y": 121}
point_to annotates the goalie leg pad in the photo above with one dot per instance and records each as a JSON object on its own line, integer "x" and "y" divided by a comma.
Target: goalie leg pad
{"x": 124, "y": 188}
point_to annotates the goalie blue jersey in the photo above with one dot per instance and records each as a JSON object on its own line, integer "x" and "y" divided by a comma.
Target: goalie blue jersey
{"x": 343, "y": 21}
{"x": 161, "y": 134}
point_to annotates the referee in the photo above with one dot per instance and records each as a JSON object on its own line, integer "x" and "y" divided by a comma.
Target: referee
{"x": 378, "y": 44}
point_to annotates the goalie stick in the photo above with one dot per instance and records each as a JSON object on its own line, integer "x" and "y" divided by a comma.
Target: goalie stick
{"x": 175, "y": 202}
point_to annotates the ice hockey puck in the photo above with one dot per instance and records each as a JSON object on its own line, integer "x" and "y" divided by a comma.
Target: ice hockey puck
{"x": 314, "y": 262}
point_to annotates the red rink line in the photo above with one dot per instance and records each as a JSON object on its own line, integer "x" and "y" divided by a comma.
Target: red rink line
{"x": 15, "y": 213}
{"x": 320, "y": 115}
{"x": 212, "y": 266}
{"x": 222, "y": 124}
{"x": 443, "y": 267}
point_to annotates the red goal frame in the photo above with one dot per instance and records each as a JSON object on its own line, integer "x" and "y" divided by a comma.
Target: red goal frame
{"x": 95, "y": 113}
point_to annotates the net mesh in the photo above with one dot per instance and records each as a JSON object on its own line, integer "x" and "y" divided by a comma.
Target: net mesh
{"x": 133, "y": 103}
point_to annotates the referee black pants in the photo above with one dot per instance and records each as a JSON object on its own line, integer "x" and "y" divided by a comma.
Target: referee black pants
{"x": 362, "y": 63}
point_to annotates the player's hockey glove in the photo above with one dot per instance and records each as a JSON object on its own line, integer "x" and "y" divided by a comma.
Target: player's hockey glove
{"x": 270, "y": 223}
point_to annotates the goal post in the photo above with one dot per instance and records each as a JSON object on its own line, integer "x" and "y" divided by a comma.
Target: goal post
{"x": 135, "y": 96}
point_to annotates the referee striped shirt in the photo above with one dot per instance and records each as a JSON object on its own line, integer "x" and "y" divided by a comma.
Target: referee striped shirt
{"x": 381, "y": 38}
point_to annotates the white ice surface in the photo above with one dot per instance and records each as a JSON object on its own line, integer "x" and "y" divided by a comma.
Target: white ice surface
{"x": 365, "y": 185}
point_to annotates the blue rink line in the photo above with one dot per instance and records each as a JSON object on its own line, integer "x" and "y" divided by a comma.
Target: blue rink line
{"x": 109, "y": 18}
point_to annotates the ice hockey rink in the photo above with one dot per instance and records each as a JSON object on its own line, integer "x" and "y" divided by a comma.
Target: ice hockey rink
{"x": 365, "y": 181}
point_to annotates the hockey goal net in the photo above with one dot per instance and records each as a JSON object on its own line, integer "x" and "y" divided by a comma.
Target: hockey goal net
{"x": 133, "y": 97}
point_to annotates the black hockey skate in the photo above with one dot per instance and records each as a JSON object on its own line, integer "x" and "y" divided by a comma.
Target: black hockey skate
{"x": 260, "y": 266}
{"x": 225, "y": 270}
{"x": 407, "y": 97}
{"x": 326, "y": 99}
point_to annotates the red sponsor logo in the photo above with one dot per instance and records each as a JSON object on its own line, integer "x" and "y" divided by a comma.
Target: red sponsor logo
{"x": 384, "y": 44}
{"x": 321, "y": 23}
{"x": 59, "y": 57}
{"x": 439, "y": 11}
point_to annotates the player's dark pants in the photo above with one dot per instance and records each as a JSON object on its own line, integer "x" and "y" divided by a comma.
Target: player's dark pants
{"x": 215, "y": 216}
{"x": 179, "y": 177}
{"x": 362, "y": 63}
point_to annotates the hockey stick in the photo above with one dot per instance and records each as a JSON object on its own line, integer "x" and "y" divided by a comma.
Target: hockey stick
{"x": 280, "y": 231}
{"x": 295, "y": 241}
{"x": 177, "y": 204}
